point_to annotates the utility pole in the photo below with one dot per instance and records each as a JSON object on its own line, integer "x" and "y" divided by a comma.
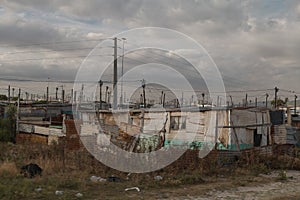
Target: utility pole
{"x": 18, "y": 110}
{"x": 295, "y": 105}
{"x": 115, "y": 78}
{"x": 162, "y": 96}
{"x": 231, "y": 100}
{"x": 47, "y": 96}
{"x": 63, "y": 96}
{"x": 276, "y": 91}
{"x": 144, "y": 93}
{"x": 164, "y": 99}
{"x": 106, "y": 94}
{"x": 141, "y": 99}
{"x": 100, "y": 93}
{"x": 267, "y": 96}
{"x": 56, "y": 93}
{"x": 121, "y": 98}
{"x": 8, "y": 93}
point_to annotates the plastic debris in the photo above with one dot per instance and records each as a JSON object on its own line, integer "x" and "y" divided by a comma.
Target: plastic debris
{"x": 78, "y": 195}
{"x": 128, "y": 176}
{"x": 133, "y": 188}
{"x": 94, "y": 178}
{"x": 58, "y": 192}
{"x": 97, "y": 179}
{"x": 39, "y": 189}
{"x": 158, "y": 178}
{"x": 102, "y": 180}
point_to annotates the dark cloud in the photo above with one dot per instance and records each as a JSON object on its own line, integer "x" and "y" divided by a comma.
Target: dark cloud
{"x": 252, "y": 42}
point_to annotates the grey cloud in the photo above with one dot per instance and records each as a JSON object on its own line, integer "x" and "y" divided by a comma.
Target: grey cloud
{"x": 251, "y": 41}
{"x": 36, "y": 72}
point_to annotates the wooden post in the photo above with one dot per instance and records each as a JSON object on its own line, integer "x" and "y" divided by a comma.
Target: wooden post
{"x": 9, "y": 94}
{"x": 295, "y": 105}
{"x": 100, "y": 93}
{"x": 144, "y": 94}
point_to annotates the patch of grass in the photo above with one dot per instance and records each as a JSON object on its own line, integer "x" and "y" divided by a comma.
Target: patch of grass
{"x": 191, "y": 179}
{"x": 259, "y": 168}
{"x": 282, "y": 176}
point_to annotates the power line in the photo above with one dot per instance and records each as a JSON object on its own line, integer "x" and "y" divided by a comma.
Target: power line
{"x": 51, "y": 58}
{"x": 53, "y": 50}
{"x": 51, "y": 43}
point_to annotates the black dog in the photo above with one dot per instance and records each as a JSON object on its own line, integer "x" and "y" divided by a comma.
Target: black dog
{"x": 31, "y": 170}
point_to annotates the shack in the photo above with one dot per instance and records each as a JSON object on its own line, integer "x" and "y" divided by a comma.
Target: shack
{"x": 227, "y": 129}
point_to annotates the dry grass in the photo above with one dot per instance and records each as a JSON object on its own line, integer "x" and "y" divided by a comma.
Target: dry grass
{"x": 70, "y": 172}
{"x": 8, "y": 168}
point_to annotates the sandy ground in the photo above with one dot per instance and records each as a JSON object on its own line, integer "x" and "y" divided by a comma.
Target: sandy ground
{"x": 274, "y": 189}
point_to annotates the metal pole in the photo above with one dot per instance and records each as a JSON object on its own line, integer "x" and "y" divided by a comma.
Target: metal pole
{"x": 144, "y": 94}
{"x": 295, "y": 105}
{"x": 47, "y": 96}
{"x": 115, "y": 78}
{"x": 9, "y": 94}
{"x": 124, "y": 39}
{"x": 267, "y": 96}
{"x": 276, "y": 91}
{"x": 231, "y": 100}
{"x": 100, "y": 93}
{"x": 106, "y": 94}
{"x": 18, "y": 111}
{"x": 56, "y": 93}
{"x": 63, "y": 96}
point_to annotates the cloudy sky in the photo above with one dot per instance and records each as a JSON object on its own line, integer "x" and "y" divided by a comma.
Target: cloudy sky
{"x": 254, "y": 43}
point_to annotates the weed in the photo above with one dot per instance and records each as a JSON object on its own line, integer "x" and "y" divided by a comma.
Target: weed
{"x": 282, "y": 176}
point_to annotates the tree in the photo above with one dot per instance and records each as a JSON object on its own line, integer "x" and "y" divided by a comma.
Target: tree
{"x": 11, "y": 112}
{"x": 280, "y": 102}
{"x": 8, "y": 125}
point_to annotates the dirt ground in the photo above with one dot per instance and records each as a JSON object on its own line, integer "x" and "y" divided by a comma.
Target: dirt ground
{"x": 276, "y": 188}
{"x": 271, "y": 186}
